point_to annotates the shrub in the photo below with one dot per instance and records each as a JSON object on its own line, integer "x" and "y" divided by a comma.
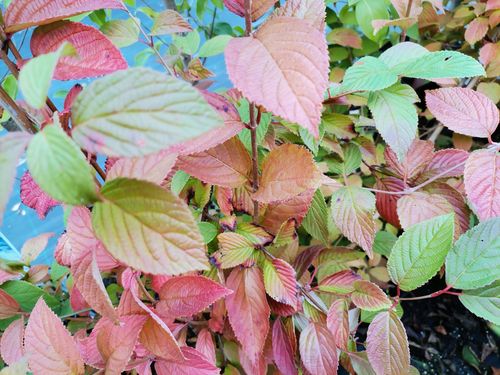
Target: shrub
{"x": 275, "y": 225}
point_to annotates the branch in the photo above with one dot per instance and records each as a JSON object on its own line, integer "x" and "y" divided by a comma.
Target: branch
{"x": 17, "y": 113}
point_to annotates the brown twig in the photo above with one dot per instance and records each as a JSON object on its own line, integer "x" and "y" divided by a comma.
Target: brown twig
{"x": 408, "y": 11}
{"x": 17, "y": 113}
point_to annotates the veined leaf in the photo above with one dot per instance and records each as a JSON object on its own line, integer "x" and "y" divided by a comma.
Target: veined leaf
{"x": 339, "y": 283}
{"x": 9, "y": 307}
{"x": 318, "y": 350}
{"x": 169, "y": 22}
{"x": 420, "y": 252}
{"x": 337, "y": 322}
{"x": 53, "y": 156}
{"x": 34, "y": 197}
{"x": 280, "y": 282}
{"x": 368, "y": 296}
{"x": 122, "y": 33}
{"x": 27, "y": 294}
{"x": 284, "y": 346}
{"x": 476, "y": 30}
{"x": 318, "y": 221}
{"x": 12, "y": 146}
{"x": 482, "y": 182}
{"x": 395, "y": 116}
{"x": 448, "y": 160}
{"x": 417, "y": 158}
{"x": 117, "y": 117}
{"x": 259, "y": 7}
{"x": 194, "y": 363}
{"x": 234, "y": 250}
{"x": 474, "y": 262}
{"x": 148, "y": 228}
{"x": 420, "y": 206}
{"x": 215, "y": 45}
{"x": 33, "y": 247}
{"x": 12, "y": 342}
{"x": 368, "y": 10}
{"x": 484, "y": 302}
{"x": 313, "y": 11}
{"x": 387, "y": 345}
{"x": 369, "y": 74}
{"x": 294, "y": 65}
{"x": 399, "y": 55}
{"x": 352, "y": 210}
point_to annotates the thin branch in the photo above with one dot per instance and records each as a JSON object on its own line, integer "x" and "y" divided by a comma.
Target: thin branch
{"x": 144, "y": 290}
{"x": 18, "y": 115}
{"x": 408, "y": 12}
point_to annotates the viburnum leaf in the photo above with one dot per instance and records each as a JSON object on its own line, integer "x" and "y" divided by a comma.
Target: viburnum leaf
{"x": 370, "y": 74}
{"x": 368, "y": 296}
{"x": 340, "y": 282}
{"x": 420, "y": 252}
{"x": 12, "y": 342}
{"x": 195, "y": 363}
{"x": 403, "y": 23}
{"x": 89, "y": 282}
{"x": 248, "y": 310}
{"x": 294, "y": 65}
{"x": 337, "y": 322}
{"x": 53, "y": 156}
{"x": 188, "y": 295}
{"x": 445, "y": 163}
{"x": 96, "y": 55}
{"x": 117, "y": 117}
{"x": 398, "y": 55}
{"x": 395, "y": 116}
{"x": 483, "y": 302}
{"x": 12, "y": 146}
{"x": 387, "y": 203}
{"x": 473, "y": 261}
{"x": 153, "y": 168}
{"x": 34, "y": 197}
{"x": 482, "y": 182}
{"x": 227, "y": 165}
{"x": 352, "y": 210}
{"x": 27, "y": 294}
{"x": 284, "y": 347}
{"x": 148, "y": 228}
{"x": 259, "y": 7}
{"x": 49, "y": 346}
{"x": 360, "y": 363}
{"x": 387, "y": 345}
{"x": 416, "y": 159}
{"x": 215, "y": 45}
{"x": 318, "y": 350}
{"x": 288, "y": 171}
{"x": 205, "y": 345}
{"x": 476, "y": 30}
{"x": 234, "y": 249}
{"x": 420, "y": 206}
{"x": 344, "y": 37}
{"x": 313, "y": 11}
{"x": 169, "y": 22}
{"x": 159, "y": 340}
{"x": 33, "y": 247}
{"x": 368, "y": 10}
{"x": 318, "y": 222}
{"x": 464, "y": 111}
{"x": 22, "y": 14}
{"x": 280, "y": 282}
{"x": 36, "y": 75}
{"x": 122, "y": 33}
{"x": 9, "y": 307}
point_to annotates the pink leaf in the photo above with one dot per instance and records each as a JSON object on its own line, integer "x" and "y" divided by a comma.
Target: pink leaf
{"x": 154, "y": 167}
{"x": 188, "y": 295}
{"x": 89, "y": 282}
{"x": 205, "y": 345}
{"x": 337, "y": 322}
{"x": 49, "y": 346}
{"x": 12, "y": 342}
{"x": 6, "y": 276}
{"x": 96, "y": 54}
{"x": 259, "y": 7}
{"x": 464, "y": 111}
{"x": 22, "y": 14}
{"x": 195, "y": 364}
{"x": 313, "y": 11}
{"x": 318, "y": 350}
{"x": 482, "y": 183}
{"x": 71, "y": 96}
{"x": 387, "y": 345}
{"x": 420, "y": 206}
{"x": 280, "y": 282}
{"x": 62, "y": 253}
{"x": 283, "y": 349}
{"x": 33, "y": 247}
{"x": 169, "y": 22}
{"x": 340, "y": 283}
{"x": 232, "y": 126}
{"x": 387, "y": 203}
{"x": 8, "y": 305}
{"x": 417, "y": 158}
{"x": 445, "y": 163}
{"x": 77, "y": 301}
{"x": 34, "y": 197}
{"x": 227, "y": 165}
{"x": 368, "y": 296}
{"x": 248, "y": 310}
{"x": 293, "y": 64}
{"x": 476, "y": 30}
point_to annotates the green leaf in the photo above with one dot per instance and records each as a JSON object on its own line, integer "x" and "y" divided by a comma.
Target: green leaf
{"x": 27, "y": 294}
{"x": 384, "y": 242}
{"x": 351, "y": 160}
{"x": 244, "y": 135}
{"x": 234, "y": 249}
{"x": 395, "y": 116}
{"x": 57, "y": 271}
{"x": 148, "y": 228}
{"x": 60, "y": 168}
{"x": 484, "y": 302}
{"x": 366, "y": 12}
{"x": 420, "y": 252}
{"x": 369, "y": 74}
{"x": 138, "y": 111}
{"x": 9, "y": 84}
{"x": 215, "y": 46}
{"x": 318, "y": 222}
{"x": 441, "y": 64}
{"x": 208, "y": 231}
{"x": 399, "y": 55}
{"x": 189, "y": 43}
{"x": 474, "y": 260}
{"x": 12, "y": 147}
{"x": 178, "y": 182}
{"x": 35, "y": 77}
{"x": 122, "y": 33}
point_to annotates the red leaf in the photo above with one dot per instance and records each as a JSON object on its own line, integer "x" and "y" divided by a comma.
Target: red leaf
{"x": 34, "y": 197}
{"x": 62, "y": 253}
{"x": 6, "y": 276}
{"x": 71, "y": 96}
{"x": 8, "y": 305}
{"x": 188, "y": 295}
{"x": 205, "y": 345}
{"x": 482, "y": 182}
{"x": 195, "y": 364}
{"x": 259, "y": 7}
{"x": 283, "y": 349}
{"x": 417, "y": 158}
{"x": 445, "y": 161}
{"x": 96, "y": 54}
{"x": 12, "y": 342}
{"x": 280, "y": 282}
{"x": 22, "y": 14}
{"x": 248, "y": 310}
{"x": 337, "y": 322}
{"x": 318, "y": 350}
{"x": 464, "y": 111}
{"x": 49, "y": 346}
{"x": 368, "y": 296}
{"x": 387, "y": 203}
